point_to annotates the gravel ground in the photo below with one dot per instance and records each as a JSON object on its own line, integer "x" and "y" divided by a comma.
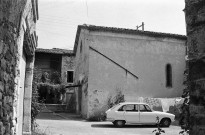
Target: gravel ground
{"x": 71, "y": 124}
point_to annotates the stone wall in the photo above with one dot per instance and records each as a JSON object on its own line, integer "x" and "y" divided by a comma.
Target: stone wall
{"x": 9, "y": 59}
{"x": 8, "y": 51}
{"x": 67, "y": 65}
{"x": 195, "y": 20}
{"x": 14, "y": 27}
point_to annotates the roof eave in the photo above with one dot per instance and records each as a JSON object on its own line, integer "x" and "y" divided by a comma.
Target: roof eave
{"x": 76, "y": 39}
{"x": 119, "y": 30}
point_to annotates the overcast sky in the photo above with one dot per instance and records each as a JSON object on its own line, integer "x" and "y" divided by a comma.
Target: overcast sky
{"x": 59, "y": 19}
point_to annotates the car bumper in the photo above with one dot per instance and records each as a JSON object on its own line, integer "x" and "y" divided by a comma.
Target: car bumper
{"x": 110, "y": 119}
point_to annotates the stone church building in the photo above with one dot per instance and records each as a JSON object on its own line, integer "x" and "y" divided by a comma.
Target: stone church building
{"x": 18, "y": 41}
{"x": 138, "y": 63}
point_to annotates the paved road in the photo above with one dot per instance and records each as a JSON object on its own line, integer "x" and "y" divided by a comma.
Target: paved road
{"x": 64, "y": 124}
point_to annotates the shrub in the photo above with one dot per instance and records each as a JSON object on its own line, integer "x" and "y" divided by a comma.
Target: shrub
{"x": 159, "y": 130}
{"x": 175, "y": 110}
{"x": 55, "y": 78}
{"x": 51, "y": 92}
{"x": 35, "y": 105}
{"x": 118, "y": 98}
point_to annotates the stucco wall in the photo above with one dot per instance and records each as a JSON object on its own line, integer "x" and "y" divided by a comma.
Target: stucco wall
{"x": 81, "y": 75}
{"x": 144, "y": 56}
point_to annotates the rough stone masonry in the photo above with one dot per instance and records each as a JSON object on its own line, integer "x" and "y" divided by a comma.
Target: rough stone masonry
{"x": 17, "y": 36}
{"x": 195, "y": 20}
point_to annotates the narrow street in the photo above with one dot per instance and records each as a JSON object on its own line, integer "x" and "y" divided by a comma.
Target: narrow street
{"x": 69, "y": 124}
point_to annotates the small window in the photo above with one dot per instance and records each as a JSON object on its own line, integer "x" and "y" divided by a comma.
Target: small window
{"x": 81, "y": 46}
{"x": 168, "y": 75}
{"x": 69, "y": 76}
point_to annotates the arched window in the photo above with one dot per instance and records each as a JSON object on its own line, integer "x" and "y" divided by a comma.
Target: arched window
{"x": 168, "y": 75}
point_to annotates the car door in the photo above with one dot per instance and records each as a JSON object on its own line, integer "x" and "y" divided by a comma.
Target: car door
{"x": 120, "y": 113}
{"x": 131, "y": 113}
{"x": 146, "y": 114}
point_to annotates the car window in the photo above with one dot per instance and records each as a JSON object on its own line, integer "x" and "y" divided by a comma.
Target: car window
{"x": 127, "y": 108}
{"x": 130, "y": 108}
{"x": 122, "y": 108}
{"x": 142, "y": 108}
{"x": 114, "y": 107}
{"x": 145, "y": 108}
{"x": 148, "y": 108}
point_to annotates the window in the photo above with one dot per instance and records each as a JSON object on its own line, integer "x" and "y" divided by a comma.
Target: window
{"x": 128, "y": 108}
{"x": 142, "y": 108}
{"x": 123, "y": 108}
{"x": 55, "y": 62}
{"x": 69, "y": 76}
{"x": 114, "y": 107}
{"x": 81, "y": 47}
{"x": 168, "y": 75}
{"x": 148, "y": 108}
{"x": 145, "y": 108}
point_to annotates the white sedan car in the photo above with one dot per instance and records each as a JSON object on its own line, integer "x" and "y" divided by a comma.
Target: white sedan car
{"x": 137, "y": 113}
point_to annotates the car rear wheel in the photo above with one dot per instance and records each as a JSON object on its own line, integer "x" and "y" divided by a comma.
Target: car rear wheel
{"x": 165, "y": 122}
{"x": 119, "y": 123}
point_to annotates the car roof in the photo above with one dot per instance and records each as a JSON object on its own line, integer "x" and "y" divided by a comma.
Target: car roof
{"x": 124, "y": 103}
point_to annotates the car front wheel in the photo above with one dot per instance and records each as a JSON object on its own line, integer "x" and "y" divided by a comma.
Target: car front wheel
{"x": 119, "y": 123}
{"x": 165, "y": 122}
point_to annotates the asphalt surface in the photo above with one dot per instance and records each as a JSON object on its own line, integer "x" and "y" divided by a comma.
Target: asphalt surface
{"x": 71, "y": 124}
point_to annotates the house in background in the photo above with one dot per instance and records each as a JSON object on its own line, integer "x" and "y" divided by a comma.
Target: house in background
{"x": 140, "y": 64}
{"x": 61, "y": 61}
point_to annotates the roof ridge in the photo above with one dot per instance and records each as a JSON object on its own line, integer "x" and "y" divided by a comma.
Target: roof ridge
{"x": 95, "y": 27}
{"x": 54, "y": 51}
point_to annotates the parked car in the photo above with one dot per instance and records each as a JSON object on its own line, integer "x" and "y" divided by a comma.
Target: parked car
{"x": 137, "y": 113}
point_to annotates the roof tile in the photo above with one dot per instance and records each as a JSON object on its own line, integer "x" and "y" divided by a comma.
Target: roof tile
{"x": 54, "y": 51}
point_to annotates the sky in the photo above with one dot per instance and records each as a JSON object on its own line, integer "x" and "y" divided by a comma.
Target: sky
{"x": 59, "y": 19}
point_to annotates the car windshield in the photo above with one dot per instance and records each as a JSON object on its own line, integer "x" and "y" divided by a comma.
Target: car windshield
{"x": 114, "y": 106}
